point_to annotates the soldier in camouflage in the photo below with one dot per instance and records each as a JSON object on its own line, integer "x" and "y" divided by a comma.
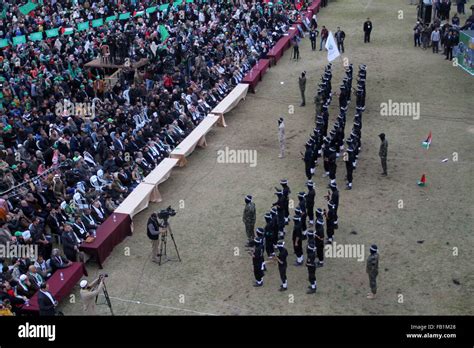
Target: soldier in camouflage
{"x": 373, "y": 270}
{"x": 249, "y": 219}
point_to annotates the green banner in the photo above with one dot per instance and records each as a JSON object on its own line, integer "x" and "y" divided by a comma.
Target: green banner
{"x": 52, "y": 32}
{"x": 17, "y": 40}
{"x": 151, "y": 9}
{"x": 188, "y": 1}
{"x": 111, "y": 18}
{"x": 82, "y": 26}
{"x": 97, "y": 23}
{"x": 465, "y": 51}
{"x": 124, "y": 16}
{"x": 164, "y": 7}
{"x": 164, "y": 33}
{"x": 38, "y": 36}
{"x": 25, "y": 9}
{"x": 177, "y": 3}
{"x": 4, "y": 43}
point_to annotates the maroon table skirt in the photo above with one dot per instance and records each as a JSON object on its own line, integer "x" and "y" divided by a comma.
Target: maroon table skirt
{"x": 315, "y": 6}
{"x": 277, "y": 51}
{"x": 252, "y": 78}
{"x": 109, "y": 234}
{"x": 60, "y": 289}
{"x": 263, "y": 65}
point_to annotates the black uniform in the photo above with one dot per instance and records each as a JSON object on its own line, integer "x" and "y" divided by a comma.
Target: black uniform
{"x": 269, "y": 239}
{"x": 320, "y": 239}
{"x": 335, "y": 198}
{"x": 280, "y": 205}
{"x": 311, "y": 265}
{"x": 297, "y": 238}
{"x": 310, "y": 197}
{"x": 308, "y": 161}
{"x": 330, "y": 219}
{"x": 332, "y": 165}
{"x": 282, "y": 264}
{"x": 258, "y": 262}
{"x": 286, "y": 193}
{"x": 302, "y": 207}
{"x": 350, "y": 166}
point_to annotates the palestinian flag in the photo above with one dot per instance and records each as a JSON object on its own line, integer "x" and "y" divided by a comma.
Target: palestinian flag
{"x": 426, "y": 144}
{"x": 422, "y": 181}
{"x": 68, "y": 31}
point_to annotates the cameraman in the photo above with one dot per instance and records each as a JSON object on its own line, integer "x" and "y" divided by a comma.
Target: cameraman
{"x": 89, "y": 293}
{"x": 153, "y": 232}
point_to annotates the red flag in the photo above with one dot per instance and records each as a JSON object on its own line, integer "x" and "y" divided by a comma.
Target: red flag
{"x": 298, "y": 4}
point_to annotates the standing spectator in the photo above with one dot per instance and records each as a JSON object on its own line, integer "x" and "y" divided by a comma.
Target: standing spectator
{"x": 324, "y": 37}
{"x": 296, "y": 47}
{"x": 313, "y": 34}
{"x": 417, "y": 33}
{"x": 449, "y": 44}
{"x": 340, "y": 36}
{"x": 435, "y": 40}
{"x": 425, "y": 36}
{"x": 460, "y": 6}
{"x": 47, "y": 303}
{"x": 367, "y": 30}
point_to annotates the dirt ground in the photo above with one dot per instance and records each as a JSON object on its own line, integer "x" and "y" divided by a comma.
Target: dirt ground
{"x": 208, "y": 196}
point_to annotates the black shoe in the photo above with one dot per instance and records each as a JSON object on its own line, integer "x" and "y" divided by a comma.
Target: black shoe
{"x": 256, "y": 285}
{"x": 320, "y": 264}
{"x": 298, "y": 263}
{"x": 282, "y": 288}
{"x": 311, "y": 291}
{"x": 383, "y": 174}
{"x": 348, "y": 187}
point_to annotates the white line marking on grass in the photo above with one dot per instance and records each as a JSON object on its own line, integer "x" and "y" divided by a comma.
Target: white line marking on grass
{"x": 161, "y": 306}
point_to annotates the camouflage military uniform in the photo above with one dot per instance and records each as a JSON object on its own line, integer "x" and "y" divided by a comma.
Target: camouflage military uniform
{"x": 249, "y": 220}
{"x": 372, "y": 271}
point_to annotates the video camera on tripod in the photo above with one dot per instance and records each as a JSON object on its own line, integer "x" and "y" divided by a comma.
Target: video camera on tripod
{"x": 164, "y": 214}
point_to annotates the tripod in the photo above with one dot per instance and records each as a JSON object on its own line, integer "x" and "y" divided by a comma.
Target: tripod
{"x": 164, "y": 241}
{"x": 107, "y": 299}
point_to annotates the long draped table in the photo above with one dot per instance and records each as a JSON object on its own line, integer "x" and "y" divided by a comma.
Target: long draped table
{"x": 109, "y": 234}
{"x": 196, "y": 138}
{"x": 230, "y": 102}
{"x": 57, "y": 287}
{"x": 138, "y": 200}
{"x": 160, "y": 174}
